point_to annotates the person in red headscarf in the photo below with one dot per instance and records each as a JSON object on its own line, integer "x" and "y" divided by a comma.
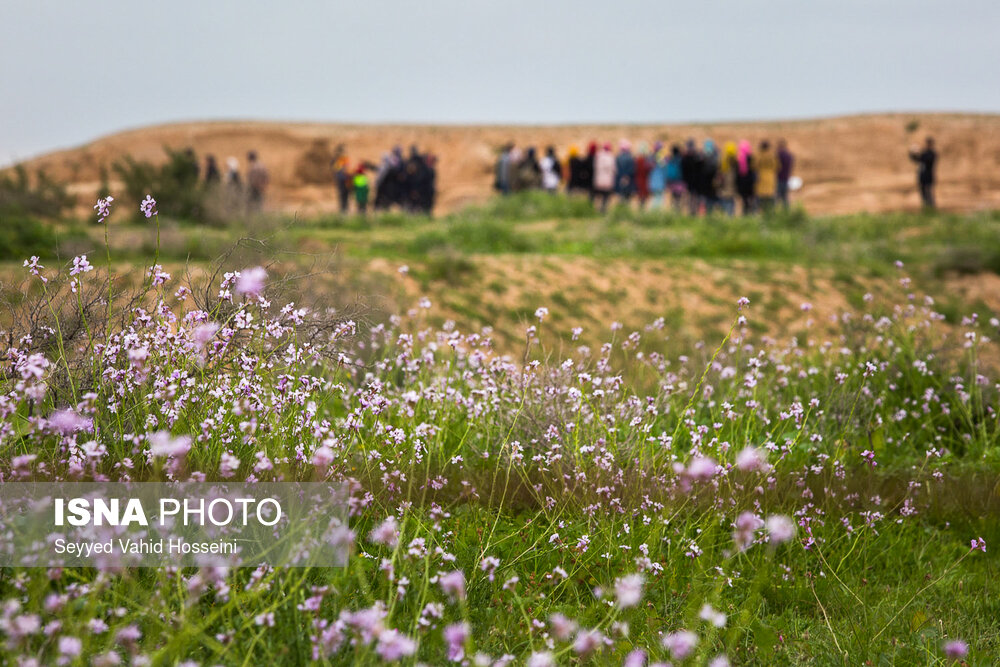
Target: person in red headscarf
{"x": 643, "y": 165}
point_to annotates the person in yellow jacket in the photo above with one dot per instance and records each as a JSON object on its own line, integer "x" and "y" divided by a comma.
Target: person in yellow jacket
{"x": 767, "y": 176}
{"x": 726, "y": 186}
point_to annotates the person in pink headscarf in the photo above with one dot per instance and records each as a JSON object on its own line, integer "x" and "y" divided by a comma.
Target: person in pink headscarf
{"x": 746, "y": 175}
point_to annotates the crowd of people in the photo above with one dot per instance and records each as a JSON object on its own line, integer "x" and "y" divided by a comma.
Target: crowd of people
{"x": 409, "y": 182}
{"x": 695, "y": 179}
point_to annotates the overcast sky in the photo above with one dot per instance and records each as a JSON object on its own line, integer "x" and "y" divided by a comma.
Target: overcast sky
{"x": 71, "y": 71}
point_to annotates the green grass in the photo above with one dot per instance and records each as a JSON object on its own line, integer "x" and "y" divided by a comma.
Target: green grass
{"x": 868, "y": 244}
{"x": 573, "y": 470}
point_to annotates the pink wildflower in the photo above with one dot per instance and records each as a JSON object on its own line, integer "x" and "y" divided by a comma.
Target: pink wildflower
{"x": 455, "y": 635}
{"x": 628, "y": 590}
{"x": 251, "y": 281}
{"x": 103, "y": 208}
{"x": 453, "y": 584}
{"x": 148, "y": 206}
{"x": 680, "y": 643}
{"x": 393, "y": 645}
{"x": 386, "y": 533}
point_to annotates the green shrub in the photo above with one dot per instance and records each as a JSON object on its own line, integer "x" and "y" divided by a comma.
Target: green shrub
{"x": 22, "y": 236}
{"x": 44, "y": 198}
{"x": 174, "y": 185}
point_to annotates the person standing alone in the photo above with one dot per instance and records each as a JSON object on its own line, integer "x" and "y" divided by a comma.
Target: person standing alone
{"x": 926, "y": 160}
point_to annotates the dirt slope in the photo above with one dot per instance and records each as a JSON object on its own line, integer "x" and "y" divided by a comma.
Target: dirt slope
{"x": 848, "y": 164}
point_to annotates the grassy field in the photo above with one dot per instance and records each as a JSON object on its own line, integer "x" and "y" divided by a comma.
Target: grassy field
{"x": 493, "y": 266}
{"x": 570, "y": 439}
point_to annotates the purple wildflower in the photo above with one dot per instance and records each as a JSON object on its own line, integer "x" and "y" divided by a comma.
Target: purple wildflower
{"x": 103, "y": 208}
{"x": 956, "y": 649}
{"x": 148, "y": 206}
{"x": 680, "y": 644}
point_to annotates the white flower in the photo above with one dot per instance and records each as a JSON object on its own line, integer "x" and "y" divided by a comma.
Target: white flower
{"x": 712, "y": 615}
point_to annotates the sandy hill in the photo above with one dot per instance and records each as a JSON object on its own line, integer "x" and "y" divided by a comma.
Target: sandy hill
{"x": 848, "y": 164}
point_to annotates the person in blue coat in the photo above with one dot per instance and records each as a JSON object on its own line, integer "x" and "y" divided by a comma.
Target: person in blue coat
{"x": 658, "y": 177}
{"x": 625, "y": 171}
{"x": 675, "y": 177}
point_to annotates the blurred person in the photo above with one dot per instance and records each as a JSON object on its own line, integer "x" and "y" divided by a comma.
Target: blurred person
{"x": 257, "y": 180}
{"x": 212, "y": 175}
{"x": 926, "y": 160}
{"x": 786, "y": 162}
{"x": 587, "y": 168}
{"x": 576, "y": 180}
{"x": 420, "y": 180}
{"x": 745, "y": 176}
{"x": 233, "y": 171}
{"x": 395, "y": 180}
{"x": 604, "y": 176}
{"x": 360, "y": 187}
{"x": 382, "y": 182}
{"x": 502, "y": 170}
{"x": 658, "y": 176}
{"x": 234, "y": 184}
{"x": 643, "y": 165}
{"x": 343, "y": 179}
{"x": 430, "y": 185}
{"x": 625, "y": 171}
{"x": 529, "y": 172}
{"x": 691, "y": 174}
{"x": 726, "y": 178}
{"x": 707, "y": 179}
{"x": 514, "y": 157}
{"x": 675, "y": 177}
{"x": 767, "y": 176}
{"x": 551, "y": 170}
